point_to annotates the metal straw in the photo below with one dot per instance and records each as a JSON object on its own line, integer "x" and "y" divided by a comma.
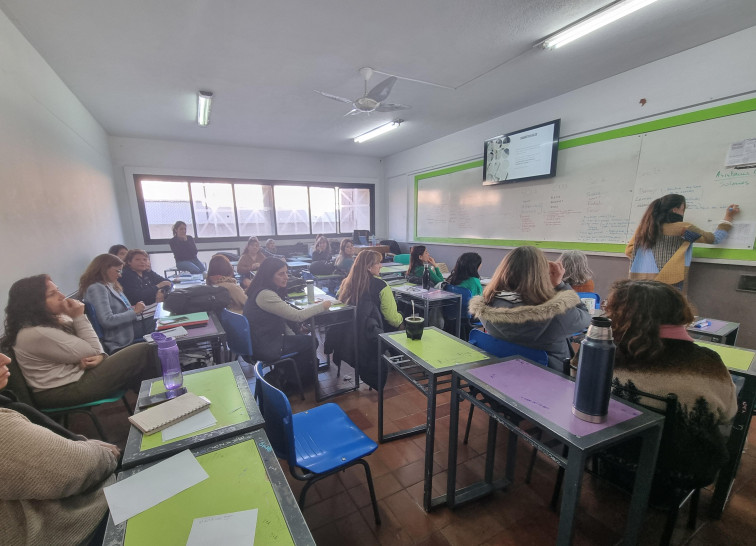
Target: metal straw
{"x": 413, "y": 308}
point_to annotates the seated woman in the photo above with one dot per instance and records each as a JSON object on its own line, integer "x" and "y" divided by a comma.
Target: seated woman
{"x": 655, "y": 354}
{"x": 376, "y": 313}
{"x": 270, "y": 250}
{"x": 250, "y": 259}
{"x": 268, "y": 315}
{"x": 51, "y": 480}
{"x": 139, "y": 282}
{"x": 59, "y": 353}
{"x": 345, "y": 259}
{"x": 576, "y": 271}
{"x": 184, "y": 250}
{"x": 465, "y": 273}
{"x": 322, "y": 252}
{"x": 120, "y": 321}
{"x": 220, "y": 272}
{"x": 527, "y": 303}
{"x": 119, "y": 250}
{"x": 419, "y": 258}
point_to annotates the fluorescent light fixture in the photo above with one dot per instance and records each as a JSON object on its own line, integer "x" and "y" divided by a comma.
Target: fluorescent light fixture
{"x": 594, "y": 21}
{"x": 385, "y": 128}
{"x": 204, "y": 101}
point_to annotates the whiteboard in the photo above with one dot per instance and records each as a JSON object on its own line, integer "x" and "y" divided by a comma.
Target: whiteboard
{"x": 600, "y": 192}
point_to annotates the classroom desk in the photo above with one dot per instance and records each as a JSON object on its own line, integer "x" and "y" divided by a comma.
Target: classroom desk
{"x": 231, "y": 403}
{"x": 297, "y": 264}
{"x": 513, "y": 390}
{"x": 244, "y": 474}
{"x": 426, "y": 364}
{"x": 742, "y": 365}
{"x": 407, "y": 292}
{"x": 337, "y": 314}
{"x": 212, "y": 333}
{"x": 719, "y": 331}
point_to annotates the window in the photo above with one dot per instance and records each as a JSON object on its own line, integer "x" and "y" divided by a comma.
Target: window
{"x": 235, "y": 209}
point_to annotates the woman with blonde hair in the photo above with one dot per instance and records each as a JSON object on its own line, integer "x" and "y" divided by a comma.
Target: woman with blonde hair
{"x": 527, "y": 303}
{"x": 345, "y": 259}
{"x": 220, "y": 272}
{"x": 119, "y": 319}
{"x": 322, "y": 251}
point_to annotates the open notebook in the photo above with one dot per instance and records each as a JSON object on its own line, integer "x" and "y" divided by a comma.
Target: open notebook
{"x": 159, "y": 417}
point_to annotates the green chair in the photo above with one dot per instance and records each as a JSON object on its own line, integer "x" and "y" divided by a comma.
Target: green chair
{"x": 17, "y": 384}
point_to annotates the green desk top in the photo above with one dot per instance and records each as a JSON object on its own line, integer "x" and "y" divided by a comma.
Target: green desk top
{"x": 733, "y": 357}
{"x": 439, "y": 350}
{"x": 226, "y": 404}
{"x": 238, "y": 481}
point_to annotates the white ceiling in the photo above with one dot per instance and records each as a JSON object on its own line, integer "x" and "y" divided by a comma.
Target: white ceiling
{"x": 137, "y": 65}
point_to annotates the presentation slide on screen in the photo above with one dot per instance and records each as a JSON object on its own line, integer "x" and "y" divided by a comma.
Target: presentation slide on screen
{"x": 520, "y": 155}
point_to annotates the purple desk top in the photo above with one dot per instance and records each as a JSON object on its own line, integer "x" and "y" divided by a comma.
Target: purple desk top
{"x": 713, "y": 327}
{"x": 208, "y": 329}
{"x": 547, "y": 394}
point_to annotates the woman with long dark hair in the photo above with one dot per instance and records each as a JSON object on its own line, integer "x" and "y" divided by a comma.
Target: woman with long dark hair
{"x": 139, "y": 281}
{"x": 59, "y": 353}
{"x": 527, "y": 303}
{"x": 419, "y": 258}
{"x": 655, "y": 354}
{"x": 184, "y": 250}
{"x": 268, "y": 314}
{"x": 345, "y": 259}
{"x": 119, "y": 319}
{"x": 322, "y": 250}
{"x": 363, "y": 283}
{"x": 251, "y": 258}
{"x": 465, "y": 273}
{"x": 661, "y": 248}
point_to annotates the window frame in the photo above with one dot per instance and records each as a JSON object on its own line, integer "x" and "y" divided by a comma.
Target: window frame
{"x": 138, "y": 178}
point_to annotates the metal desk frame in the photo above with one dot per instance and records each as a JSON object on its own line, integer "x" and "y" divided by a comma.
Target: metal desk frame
{"x": 133, "y": 456}
{"x": 401, "y": 294}
{"x": 647, "y": 426}
{"x": 332, "y": 317}
{"x": 217, "y": 340}
{"x": 300, "y": 532}
{"x": 430, "y": 381}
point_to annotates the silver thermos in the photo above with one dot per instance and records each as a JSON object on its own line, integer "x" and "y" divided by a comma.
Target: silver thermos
{"x": 593, "y": 384}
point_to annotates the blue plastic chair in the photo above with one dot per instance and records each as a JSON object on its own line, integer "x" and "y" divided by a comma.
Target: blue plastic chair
{"x": 499, "y": 347}
{"x": 317, "y": 442}
{"x": 239, "y": 342}
{"x": 89, "y": 310}
{"x": 467, "y": 323}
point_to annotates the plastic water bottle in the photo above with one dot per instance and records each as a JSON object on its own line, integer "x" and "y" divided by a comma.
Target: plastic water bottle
{"x": 594, "y": 374}
{"x": 310, "y": 289}
{"x": 168, "y": 354}
{"x": 426, "y": 277}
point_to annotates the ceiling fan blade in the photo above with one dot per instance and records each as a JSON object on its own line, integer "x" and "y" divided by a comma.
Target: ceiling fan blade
{"x": 380, "y": 92}
{"x": 353, "y": 112}
{"x": 388, "y": 107}
{"x": 334, "y": 97}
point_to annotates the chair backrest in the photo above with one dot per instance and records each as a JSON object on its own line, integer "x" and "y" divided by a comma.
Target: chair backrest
{"x": 237, "y": 332}
{"x": 393, "y": 246}
{"x": 464, "y": 293}
{"x": 17, "y": 383}
{"x": 499, "y": 347}
{"x": 276, "y": 411}
{"x": 402, "y": 259}
{"x": 591, "y": 295}
{"x": 92, "y": 316}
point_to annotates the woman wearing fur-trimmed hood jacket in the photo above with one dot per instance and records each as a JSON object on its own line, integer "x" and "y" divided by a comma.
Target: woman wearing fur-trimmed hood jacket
{"x": 527, "y": 303}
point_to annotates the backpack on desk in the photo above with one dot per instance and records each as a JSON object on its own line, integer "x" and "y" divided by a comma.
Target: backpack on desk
{"x": 194, "y": 299}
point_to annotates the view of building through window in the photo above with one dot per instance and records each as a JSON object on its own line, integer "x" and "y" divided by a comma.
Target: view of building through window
{"x": 236, "y": 209}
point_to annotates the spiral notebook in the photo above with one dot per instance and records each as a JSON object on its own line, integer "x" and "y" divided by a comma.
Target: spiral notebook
{"x": 159, "y": 417}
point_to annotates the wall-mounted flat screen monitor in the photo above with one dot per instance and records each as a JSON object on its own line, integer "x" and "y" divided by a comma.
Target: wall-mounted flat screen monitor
{"x": 526, "y": 154}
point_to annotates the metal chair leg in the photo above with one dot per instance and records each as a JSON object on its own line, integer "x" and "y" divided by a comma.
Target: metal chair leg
{"x": 369, "y": 477}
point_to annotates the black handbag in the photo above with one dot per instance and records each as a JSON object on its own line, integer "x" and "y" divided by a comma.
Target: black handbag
{"x": 194, "y": 299}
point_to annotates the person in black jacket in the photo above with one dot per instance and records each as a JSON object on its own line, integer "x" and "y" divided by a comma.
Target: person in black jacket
{"x": 139, "y": 282}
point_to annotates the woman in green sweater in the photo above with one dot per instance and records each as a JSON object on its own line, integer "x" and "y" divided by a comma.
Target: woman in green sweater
{"x": 419, "y": 257}
{"x": 465, "y": 273}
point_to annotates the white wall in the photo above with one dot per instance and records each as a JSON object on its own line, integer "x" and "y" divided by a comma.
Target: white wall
{"x": 58, "y": 208}
{"x": 707, "y": 75}
{"x": 142, "y": 156}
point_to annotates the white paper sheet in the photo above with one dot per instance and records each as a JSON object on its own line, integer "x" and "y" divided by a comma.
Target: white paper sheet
{"x": 237, "y": 528}
{"x": 152, "y": 486}
{"x": 198, "y": 421}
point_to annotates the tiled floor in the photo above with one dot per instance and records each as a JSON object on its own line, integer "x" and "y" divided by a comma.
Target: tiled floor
{"x": 338, "y": 509}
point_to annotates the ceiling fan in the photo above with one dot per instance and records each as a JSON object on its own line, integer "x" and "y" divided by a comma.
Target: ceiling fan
{"x": 373, "y": 101}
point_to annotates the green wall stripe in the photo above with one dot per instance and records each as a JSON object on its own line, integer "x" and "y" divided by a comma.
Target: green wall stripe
{"x": 714, "y": 112}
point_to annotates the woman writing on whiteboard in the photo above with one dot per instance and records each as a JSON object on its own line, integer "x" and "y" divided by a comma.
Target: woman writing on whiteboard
{"x": 661, "y": 248}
